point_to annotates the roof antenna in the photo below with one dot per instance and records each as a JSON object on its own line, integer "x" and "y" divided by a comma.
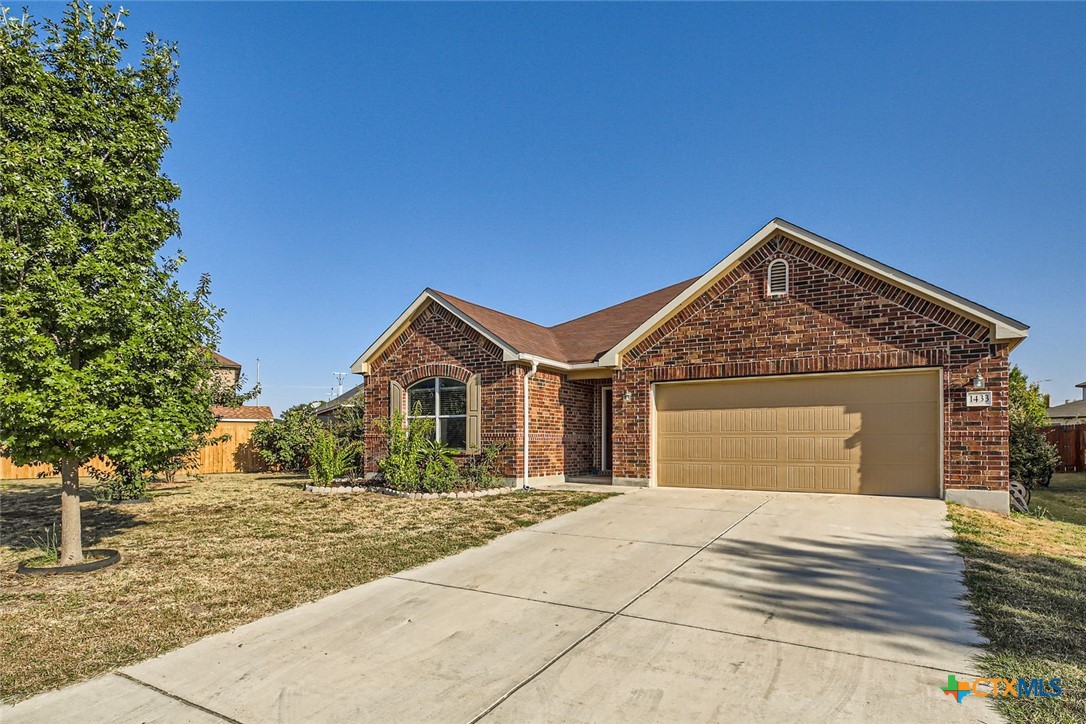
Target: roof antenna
{"x": 339, "y": 376}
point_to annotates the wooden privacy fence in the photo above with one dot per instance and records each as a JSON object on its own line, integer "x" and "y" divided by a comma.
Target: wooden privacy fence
{"x": 236, "y": 455}
{"x": 1070, "y": 440}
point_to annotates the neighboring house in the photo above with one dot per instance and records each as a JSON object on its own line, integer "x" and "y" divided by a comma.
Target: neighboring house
{"x": 226, "y": 369}
{"x": 795, "y": 364}
{"x": 328, "y": 411}
{"x": 1070, "y": 413}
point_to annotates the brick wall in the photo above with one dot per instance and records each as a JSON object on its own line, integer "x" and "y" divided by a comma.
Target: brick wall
{"x": 438, "y": 344}
{"x": 563, "y": 432}
{"x": 835, "y": 318}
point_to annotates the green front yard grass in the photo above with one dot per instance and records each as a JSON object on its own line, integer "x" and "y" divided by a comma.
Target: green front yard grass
{"x": 1027, "y": 584}
{"x": 206, "y": 556}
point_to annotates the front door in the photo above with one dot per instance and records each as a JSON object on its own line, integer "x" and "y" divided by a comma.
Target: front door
{"x": 606, "y": 410}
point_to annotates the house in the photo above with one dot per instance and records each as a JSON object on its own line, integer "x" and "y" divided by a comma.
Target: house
{"x": 794, "y": 364}
{"x": 227, "y": 370}
{"x": 1069, "y": 413}
{"x": 328, "y": 411}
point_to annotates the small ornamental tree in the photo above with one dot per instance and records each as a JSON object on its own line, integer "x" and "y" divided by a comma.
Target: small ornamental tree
{"x": 102, "y": 353}
{"x": 1032, "y": 458}
{"x": 285, "y": 443}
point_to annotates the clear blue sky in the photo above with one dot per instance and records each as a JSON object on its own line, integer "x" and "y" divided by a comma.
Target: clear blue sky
{"x": 549, "y": 160}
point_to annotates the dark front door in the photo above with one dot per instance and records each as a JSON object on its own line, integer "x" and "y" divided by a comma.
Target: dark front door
{"x": 605, "y": 429}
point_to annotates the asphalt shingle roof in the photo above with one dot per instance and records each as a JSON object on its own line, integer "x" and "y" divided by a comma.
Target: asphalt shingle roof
{"x": 583, "y": 339}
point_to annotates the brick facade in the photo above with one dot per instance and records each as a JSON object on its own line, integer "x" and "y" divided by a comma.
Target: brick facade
{"x": 834, "y": 319}
{"x": 565, "y": 414}
{"x": 564, "y": 427}
{"x": 438, "y": 344}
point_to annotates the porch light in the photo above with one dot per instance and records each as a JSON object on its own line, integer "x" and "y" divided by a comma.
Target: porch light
{"x": 978, "y": 382}
{"x": 627, "y": 396}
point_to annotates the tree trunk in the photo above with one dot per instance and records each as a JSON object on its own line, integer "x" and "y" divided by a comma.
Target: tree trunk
{"x": 71, "y": 528}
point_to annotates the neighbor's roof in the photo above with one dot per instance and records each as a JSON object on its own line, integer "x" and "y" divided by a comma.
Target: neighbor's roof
{"x": 601, "y": 338}
{"x": 343, "y": 400}
{"x": 1077, "y": 408}
{"x": 224, "y": 361}
{"x": 245, "y": 412}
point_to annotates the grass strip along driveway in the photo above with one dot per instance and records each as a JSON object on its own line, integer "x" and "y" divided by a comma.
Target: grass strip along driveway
{"x": 207, "y": 556}
{"x": 1027, "y": 583}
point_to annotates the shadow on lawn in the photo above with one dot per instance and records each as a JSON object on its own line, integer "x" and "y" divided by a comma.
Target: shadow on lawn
{"x": 1029, "y": 605}
{"x": 28, "y": 510}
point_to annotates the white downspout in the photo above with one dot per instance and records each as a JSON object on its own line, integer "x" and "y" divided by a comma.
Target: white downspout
{"x": 527, "y": 376}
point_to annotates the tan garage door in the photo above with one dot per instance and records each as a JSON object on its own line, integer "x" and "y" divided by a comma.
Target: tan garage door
{"x": 871, "y": 433}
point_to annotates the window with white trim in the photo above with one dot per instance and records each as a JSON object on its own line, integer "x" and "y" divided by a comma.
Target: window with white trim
{"x": 777, "y": 278}
{"x": 444, "y": 401}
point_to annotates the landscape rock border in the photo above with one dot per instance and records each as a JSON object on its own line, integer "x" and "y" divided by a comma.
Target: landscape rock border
{"x": 462, "y": 494}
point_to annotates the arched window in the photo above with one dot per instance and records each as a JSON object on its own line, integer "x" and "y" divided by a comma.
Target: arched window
{"x": 777, "y": 278}
{"x": 445, "y": 402}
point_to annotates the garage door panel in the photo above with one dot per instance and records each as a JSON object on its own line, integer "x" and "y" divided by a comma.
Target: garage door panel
{"x": 838, "y": 449}
{"x": 896, "y": 417}
{"x": 835, "y": 479}
{"x": 801, "y": 448}
{"x": 733, "y": 448}
{"x": 731, "y": 476}
{"x": 672, "y": 448}
{"x": 732, "y": 420}
{"x": 853, "y": 433}
{"x": 763, "y": 476}
{"x": 800, "y": 477}
{"x": 763, "y": 448}
{"x": 763, "y": 420}
{"x": 699, "y": 448}
{"x": 804, "y": 419}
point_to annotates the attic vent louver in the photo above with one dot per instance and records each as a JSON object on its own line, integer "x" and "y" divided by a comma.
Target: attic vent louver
{"x": 777, "y": 279}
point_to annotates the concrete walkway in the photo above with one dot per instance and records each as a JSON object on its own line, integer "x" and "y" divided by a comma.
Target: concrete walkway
{"x": 658, "y": 605}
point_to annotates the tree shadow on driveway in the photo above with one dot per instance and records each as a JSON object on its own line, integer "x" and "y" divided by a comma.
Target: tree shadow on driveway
{"x": 899, "y": 594}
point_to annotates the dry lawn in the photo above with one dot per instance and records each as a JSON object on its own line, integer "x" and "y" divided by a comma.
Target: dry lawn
{"x": 1027, "y": 584}
{"x": 206, "y": 556}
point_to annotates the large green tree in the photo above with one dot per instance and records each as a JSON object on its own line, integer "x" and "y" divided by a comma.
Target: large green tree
{"x": 102, "y": 352}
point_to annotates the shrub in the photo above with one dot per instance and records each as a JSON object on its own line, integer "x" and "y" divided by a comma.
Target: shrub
{"x": 401, "y": 467}
{"x": 1033, "y": 460}
{"x": 415, "y": 461}
{"x": 438, "y": 471}
{"x": 329, "y": 457}
{"x": 349, "y": 426}
{"x": 285, "y": 443}
{"x": 481, "y": 470}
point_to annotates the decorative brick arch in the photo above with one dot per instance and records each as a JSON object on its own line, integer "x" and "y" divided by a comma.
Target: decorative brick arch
{"x": 435, "y": 370}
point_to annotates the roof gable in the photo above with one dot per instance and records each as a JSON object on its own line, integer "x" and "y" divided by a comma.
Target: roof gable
{"x": 1003, "y": 328}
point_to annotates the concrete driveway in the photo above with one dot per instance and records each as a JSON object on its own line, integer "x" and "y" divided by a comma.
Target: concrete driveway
{"x": 659, "y": 605}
